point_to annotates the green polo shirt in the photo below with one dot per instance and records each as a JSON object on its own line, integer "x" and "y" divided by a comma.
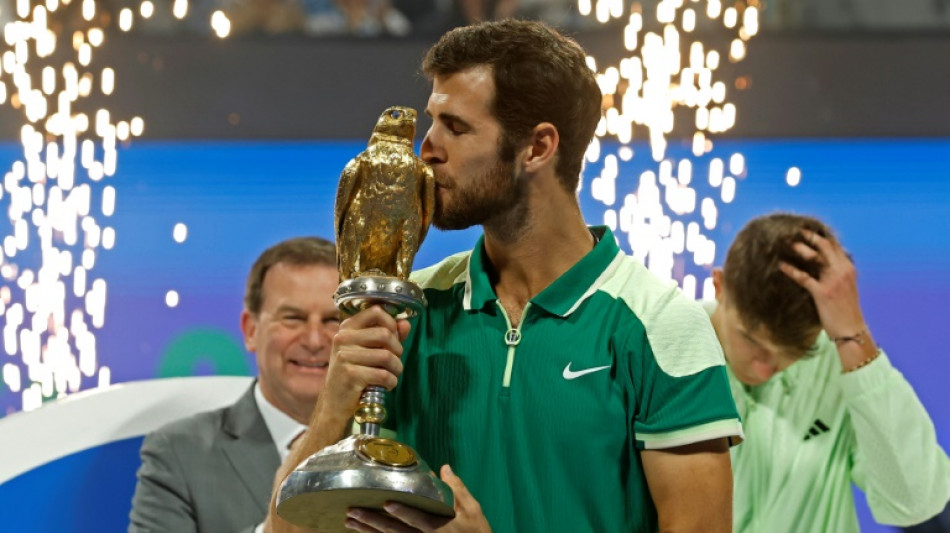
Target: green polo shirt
{"x": 544, "y": 422}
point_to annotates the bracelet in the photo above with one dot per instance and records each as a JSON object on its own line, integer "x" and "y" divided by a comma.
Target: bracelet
{"x": 857, "y": 337}
{"x": 860, "y": 338}
{"x": 864, "y": 363}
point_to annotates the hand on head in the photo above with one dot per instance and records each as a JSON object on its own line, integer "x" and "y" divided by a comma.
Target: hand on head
{"x": 835, "y": 290}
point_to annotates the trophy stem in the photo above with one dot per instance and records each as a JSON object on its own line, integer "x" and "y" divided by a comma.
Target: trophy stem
{"x": 371, "y": 412}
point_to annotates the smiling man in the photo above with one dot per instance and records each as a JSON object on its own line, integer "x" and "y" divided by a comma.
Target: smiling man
{"x": 214, "y": 471}
{"x": 560, "y": 384}
{"x": 821, "y": 404}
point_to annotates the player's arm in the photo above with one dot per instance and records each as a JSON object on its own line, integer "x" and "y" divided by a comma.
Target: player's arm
{"x": 691, "y": 486}
{"x": 835, "y": 293}
{"x": 366, "y": 352}
{"x": 897, "y": 460}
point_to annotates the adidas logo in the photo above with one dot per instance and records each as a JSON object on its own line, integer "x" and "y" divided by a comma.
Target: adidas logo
{"x": 817, "y": 428}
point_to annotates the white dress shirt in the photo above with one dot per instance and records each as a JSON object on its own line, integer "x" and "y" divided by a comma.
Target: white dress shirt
{"x": 283, "y": 429}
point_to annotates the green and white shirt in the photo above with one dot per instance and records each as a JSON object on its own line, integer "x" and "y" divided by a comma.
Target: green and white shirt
{"x": 811, "y": 431}
{"x": 544, "y": 422}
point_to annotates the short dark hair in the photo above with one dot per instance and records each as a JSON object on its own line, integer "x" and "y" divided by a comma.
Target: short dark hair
{"x": 298, "y": 251}
{"x": 540, "y": 76}
{"x": 765, "y": 297}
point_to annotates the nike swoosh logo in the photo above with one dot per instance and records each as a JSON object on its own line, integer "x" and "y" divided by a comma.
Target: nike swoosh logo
{"x": 571, "y": 374}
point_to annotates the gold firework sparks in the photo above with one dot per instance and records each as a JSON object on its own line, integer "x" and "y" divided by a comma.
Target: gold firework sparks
{"x": 58, "y": 192}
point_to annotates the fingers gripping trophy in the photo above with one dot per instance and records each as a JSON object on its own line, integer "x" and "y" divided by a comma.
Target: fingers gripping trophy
{"x": 384, "y": 204}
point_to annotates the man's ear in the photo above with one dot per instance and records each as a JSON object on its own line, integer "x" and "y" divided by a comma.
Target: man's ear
{"x": 542, "y": 146}
{"x": 249, "y": 328}
{"x": 719, "y": 284}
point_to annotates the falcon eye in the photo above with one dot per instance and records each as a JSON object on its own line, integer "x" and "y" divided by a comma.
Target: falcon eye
{"x": 396, "y": 114}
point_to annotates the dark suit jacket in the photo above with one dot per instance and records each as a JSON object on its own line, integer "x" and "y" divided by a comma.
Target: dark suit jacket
{"x": 212, "y": 472}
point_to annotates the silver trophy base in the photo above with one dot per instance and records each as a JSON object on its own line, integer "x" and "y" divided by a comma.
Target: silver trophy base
{"x": 318, "y": 493}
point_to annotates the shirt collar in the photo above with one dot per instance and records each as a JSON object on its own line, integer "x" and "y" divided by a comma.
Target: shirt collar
{"x": 283, "y": 429}
{"x": 562, "y": 296}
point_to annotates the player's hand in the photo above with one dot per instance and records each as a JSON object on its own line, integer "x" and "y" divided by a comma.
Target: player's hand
{"x": 404, "y": 519}
{"x": 835, "y": 290}
{"x": 366, "y": 352}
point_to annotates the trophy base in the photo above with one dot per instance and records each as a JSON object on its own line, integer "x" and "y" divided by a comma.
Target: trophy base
{"x": 318, "y": 493}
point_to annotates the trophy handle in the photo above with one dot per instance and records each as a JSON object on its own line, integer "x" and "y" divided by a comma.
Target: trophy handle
{"x": 398, "y": 297}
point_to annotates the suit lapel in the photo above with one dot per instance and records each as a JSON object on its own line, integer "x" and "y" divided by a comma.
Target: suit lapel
{"x": 250, "y": 448}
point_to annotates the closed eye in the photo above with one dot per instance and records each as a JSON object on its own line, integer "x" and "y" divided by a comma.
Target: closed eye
{"x": 453, "y": 123}
{"x": 455, "y": 128}
{"x": 748, "y": 338}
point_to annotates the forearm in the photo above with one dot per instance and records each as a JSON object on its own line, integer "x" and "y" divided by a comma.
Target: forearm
{"x": 327, "y": 426}
{"x": 856, "y": 350}
{"x": 691, "y": 487}
{"x": 898, "y": 462}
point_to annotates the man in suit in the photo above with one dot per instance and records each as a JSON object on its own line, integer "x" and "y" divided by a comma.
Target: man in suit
{"x": 214, "y": 471}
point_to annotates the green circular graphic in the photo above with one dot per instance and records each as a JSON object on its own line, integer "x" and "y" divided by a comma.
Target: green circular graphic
{"x": 198, "y": 346}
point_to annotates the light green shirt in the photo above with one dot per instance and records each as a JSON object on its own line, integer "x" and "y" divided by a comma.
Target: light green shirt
{"x": 811, "y": 431}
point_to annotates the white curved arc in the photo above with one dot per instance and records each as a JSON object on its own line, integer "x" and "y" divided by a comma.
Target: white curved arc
{"x": 100, "y": 416}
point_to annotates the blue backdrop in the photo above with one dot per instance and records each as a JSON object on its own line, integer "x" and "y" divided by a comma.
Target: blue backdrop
{"x": 889, "y": 201}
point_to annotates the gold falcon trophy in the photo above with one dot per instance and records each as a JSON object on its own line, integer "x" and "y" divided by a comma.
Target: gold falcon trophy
{"x": 384, "y": 204}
